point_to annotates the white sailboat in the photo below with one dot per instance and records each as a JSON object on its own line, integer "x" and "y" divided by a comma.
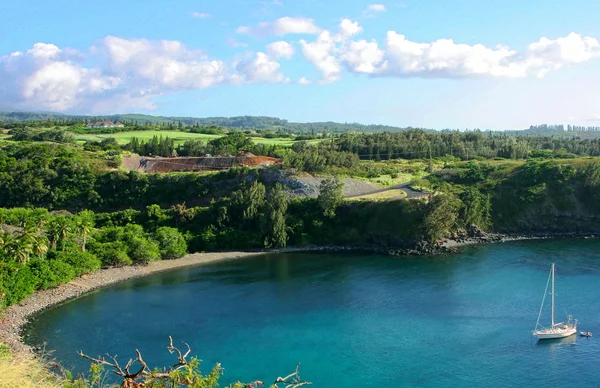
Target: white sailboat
{"x": 556, "y": 330}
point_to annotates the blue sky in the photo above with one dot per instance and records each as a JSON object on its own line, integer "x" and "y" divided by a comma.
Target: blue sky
{"x": 428, "y": 63}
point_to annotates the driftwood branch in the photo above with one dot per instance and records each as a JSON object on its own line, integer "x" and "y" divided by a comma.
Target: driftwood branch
{"x": 130, "y": 380}
{"x": 292, "y": 380}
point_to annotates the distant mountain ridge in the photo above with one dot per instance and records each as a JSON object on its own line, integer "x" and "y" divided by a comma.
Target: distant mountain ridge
{"x": 275, "y": 123}
{"x": 240, "y": 122}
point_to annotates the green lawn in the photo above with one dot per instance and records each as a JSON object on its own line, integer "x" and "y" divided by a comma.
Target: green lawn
{"x": 179, "y": 137}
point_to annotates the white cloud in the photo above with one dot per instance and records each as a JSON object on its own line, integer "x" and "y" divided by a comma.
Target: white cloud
{"x": 349, "y": 28}
{"x": 201, "y": 15}
{"x": 259, "y": 68}
{"x": 124, "y": 74}
{"x": 324, "y": 52}
{"x": 373, "y": 9}
{"x": 362, "y": 56}
{"x": 129, "y": 74}
{"x": 158, "y": 66}
{"x": 281, "y": 49}
{"x": 46, "y": 77}
{"x": 321, "y": 54}
{"x": 443, "y": 58}
{"x": 283, "y": 26}
{"x": 376, "y": 8}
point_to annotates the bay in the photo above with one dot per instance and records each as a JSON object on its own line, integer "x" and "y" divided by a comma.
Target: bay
{"x": 352, "y": 320}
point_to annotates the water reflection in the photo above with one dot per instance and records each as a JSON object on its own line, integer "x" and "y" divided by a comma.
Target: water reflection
{"x": 555, "y": 343}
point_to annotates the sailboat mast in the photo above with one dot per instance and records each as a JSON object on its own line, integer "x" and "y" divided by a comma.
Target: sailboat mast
{"x": 552, "y": 295}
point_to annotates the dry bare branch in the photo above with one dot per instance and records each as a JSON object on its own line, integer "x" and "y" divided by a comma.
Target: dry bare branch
{"x": 293, "y": 380}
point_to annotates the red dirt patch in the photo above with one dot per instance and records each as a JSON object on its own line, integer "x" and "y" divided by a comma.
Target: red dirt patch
{"x": 180, "y": 164}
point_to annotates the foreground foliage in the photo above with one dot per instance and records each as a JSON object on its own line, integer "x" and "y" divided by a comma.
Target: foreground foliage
{"x": 183, "y": 373}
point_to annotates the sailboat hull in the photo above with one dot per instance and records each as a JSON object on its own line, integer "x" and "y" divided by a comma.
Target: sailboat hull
{"x": 556, "y": 333}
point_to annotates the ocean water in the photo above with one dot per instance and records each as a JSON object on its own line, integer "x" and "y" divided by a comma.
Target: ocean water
{"x": 353, "y": 320}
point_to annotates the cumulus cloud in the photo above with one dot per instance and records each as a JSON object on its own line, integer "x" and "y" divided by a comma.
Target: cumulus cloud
{"x": 46, "y": 77}
{"x": 128, "y": 74}
{"x": 201, "y": 15}
{"x": 158, "y": 66}
{"x": 443, "y": 58}
{"x": 321, "y": 54}
{"x": 258, "y": 68}
{"x": 281, "y": 49}
{"x": 120, "y": 74}
{"x": 283, "y": 26}
{"x": 324, "y": 52}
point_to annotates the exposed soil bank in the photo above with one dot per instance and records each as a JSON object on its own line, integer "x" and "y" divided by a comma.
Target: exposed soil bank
{"x": 16, "y": 316}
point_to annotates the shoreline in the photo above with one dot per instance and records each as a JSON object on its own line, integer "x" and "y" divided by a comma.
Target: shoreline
{"x": 17, "y": 316}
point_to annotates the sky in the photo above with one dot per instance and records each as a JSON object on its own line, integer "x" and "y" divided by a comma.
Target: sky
{"x": 460, "y": 64}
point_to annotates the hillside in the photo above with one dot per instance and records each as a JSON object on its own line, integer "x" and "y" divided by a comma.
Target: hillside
{"x": 240, "y": 122}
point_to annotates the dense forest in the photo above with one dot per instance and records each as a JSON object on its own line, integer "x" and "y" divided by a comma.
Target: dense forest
{"x": 417, "y": 144}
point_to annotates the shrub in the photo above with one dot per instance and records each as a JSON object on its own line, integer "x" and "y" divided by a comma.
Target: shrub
{"x": 143, "y": 251}
{"x": 113, "y": 254}
{"x": 171, "y": 243}
{"x": 51, "y": 273}
{"x": 82, "y": 262}
{"x": 18, "y": 282}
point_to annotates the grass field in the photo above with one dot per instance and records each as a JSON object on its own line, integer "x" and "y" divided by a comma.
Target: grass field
{"x": 383, "y": 196}
{"x": 179, "y": 137}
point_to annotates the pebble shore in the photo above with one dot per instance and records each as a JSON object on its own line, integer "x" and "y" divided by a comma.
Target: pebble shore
{"x": 15, "y": 317}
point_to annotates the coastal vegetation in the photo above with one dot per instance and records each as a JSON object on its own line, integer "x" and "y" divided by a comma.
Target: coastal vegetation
{"x": 68, "y": 209}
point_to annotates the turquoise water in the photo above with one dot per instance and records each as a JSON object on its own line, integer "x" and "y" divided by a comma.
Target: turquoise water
{"x": 353, "y": 320}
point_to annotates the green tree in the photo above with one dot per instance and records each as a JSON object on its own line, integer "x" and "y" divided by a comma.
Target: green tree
{"x": 441, "y": 216}
{"x": 276, "y": 229}
{"x": 330, "y": 196}
{"x": 476, "y": 209}
{"x": 171, "y": 243}
{"x": 59, "y": 229}
{"x": 142, "y": 251}
{"x": 84, "y": 224}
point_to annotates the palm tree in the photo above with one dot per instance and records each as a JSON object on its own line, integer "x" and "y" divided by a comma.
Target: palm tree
{"x": 84, "y": 226}
{"x": 40, "y": 246}
{"x": 5, "y": 241}
{"x": 23, "y": 251}
{"x": 58, "y": 230}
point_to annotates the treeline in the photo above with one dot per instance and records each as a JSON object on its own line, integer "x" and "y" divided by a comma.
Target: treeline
{"x": 416, "y": 144}
{"x": 548, "y": 129}
{"x": 56, "y": 176}
{"x": 56, "y": 135}
{"x": 40, "y": 249}
{"x": 10, "y": 119}
{"x": 539, "y": 196}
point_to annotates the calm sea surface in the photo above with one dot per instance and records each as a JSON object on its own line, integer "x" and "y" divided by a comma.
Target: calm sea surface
{"x": 353, "y": 320}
